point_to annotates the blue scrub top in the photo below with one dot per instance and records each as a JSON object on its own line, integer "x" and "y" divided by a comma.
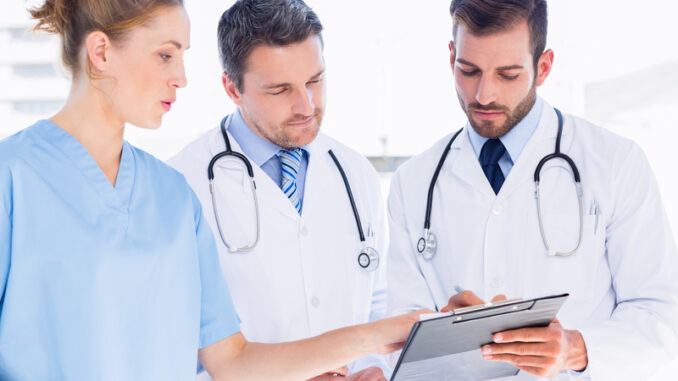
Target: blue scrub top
{"x": 100, "y": 282}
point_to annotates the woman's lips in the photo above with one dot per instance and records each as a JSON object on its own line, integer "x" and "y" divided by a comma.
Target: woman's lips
{"x": 167, "y": 105}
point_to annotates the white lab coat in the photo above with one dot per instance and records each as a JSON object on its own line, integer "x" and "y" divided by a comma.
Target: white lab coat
{"x": 303, "y": 277}
{"x": 623, "y": 282}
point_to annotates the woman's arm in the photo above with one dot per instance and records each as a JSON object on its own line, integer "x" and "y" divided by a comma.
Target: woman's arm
{"x": 234, "y": 358}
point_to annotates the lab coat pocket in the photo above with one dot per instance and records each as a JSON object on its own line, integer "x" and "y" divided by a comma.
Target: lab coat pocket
{"x": 573, "y": 274}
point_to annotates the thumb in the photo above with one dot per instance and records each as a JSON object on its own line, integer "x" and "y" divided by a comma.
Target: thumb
{"x": 498, "y": 298}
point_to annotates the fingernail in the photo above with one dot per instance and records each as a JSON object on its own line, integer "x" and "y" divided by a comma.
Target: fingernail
{"x": 498, "y": 337}
{"x": 487, "y": 349}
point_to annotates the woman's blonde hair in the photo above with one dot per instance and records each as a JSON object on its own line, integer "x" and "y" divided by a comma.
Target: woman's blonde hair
{"x": 73, "y": 20}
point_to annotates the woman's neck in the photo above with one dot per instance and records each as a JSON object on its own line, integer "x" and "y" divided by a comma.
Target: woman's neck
{"x": 87, "y": 117}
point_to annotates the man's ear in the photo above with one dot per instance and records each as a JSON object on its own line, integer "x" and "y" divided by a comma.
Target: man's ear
{"x": 231, "y": 89}
{"x": 452, "y": 54}
{"x": 544, "y": 66}
{"x": 98, "y": 47}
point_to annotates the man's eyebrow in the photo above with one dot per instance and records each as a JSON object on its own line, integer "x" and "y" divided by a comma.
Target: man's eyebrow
{"x": 276, "y": 85}
{"x": 467, "y": 63}
{"x": 510, "y": 67}
{"x": 318, "y": 74}
{"x": 285, "y": 84}
{"x": 501, "y": 68}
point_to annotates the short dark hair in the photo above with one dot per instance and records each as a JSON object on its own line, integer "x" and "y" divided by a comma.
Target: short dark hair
{"x": 251, "y": 23}
{"x": 483, "y": 17}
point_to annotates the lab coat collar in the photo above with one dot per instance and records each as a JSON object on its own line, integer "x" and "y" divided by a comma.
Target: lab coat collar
{"x": 464, "y": 163}
{"x": 317, "y": 172}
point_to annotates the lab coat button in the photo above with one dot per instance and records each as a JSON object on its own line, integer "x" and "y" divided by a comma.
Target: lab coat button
{"x": 304, "y": 231}
{"x": 497, "y": 210}
{"x": 315, "y": 302}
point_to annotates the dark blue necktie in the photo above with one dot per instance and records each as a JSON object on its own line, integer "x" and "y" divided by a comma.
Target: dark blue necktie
{"x": 489, "y": 160}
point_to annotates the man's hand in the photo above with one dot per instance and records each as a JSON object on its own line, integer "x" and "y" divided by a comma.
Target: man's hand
{"x": 368, "y": 374}
{"x": 542, "y": 352}
{"x": 466, "y": 299}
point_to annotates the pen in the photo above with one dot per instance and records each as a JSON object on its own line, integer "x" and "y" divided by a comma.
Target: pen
{"x": 458, "y": 288}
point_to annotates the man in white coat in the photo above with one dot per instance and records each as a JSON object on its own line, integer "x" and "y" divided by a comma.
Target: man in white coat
{"x": 303, "y": 277}
{"x": 621, "y": 317}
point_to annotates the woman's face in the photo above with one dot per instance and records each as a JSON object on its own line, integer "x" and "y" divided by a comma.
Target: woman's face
{"x": 147, "y": 68}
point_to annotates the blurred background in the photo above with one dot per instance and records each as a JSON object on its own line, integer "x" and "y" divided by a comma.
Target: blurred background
{"x": 390, "y": 88}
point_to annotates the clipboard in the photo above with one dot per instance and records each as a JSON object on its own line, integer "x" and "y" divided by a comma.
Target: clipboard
{"x": 447, "y": 348}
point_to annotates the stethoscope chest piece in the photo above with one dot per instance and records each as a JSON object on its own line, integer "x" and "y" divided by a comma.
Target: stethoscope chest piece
{"x": 426, "y": 246}
{"x": 368, "y": 259}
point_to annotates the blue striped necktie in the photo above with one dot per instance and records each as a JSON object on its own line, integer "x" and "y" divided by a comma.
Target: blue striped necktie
{"x": 290, "y": 160}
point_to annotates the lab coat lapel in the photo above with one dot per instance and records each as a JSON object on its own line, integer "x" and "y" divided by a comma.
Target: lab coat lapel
{"x": 269, "y": 193}
{"x": 320, "y": 166}
{"x": 464, "y": 164}
{"x": 539, "y": 145}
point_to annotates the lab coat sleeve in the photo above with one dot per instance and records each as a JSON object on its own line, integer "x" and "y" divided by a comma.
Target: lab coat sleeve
{"x": 641, "y": 334}
{"x": 407, "y": 289}
{"x": 218, "y": 319}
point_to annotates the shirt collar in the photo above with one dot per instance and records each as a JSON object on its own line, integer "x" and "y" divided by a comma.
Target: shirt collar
{"x": 516, "y": 139}
{"x": 259, "y": 150}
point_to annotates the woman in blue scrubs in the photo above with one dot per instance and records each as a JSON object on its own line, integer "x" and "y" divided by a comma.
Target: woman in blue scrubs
{"x": 108, "y": 270}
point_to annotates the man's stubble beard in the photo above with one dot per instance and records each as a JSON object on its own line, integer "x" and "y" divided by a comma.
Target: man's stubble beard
{"x": 283, "y": 140}
{"x": 485, "y": 128}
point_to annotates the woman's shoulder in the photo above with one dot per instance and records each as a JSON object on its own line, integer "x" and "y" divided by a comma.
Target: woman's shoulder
{"x": 156, "y": 167}
{"x": 14, "y": 147}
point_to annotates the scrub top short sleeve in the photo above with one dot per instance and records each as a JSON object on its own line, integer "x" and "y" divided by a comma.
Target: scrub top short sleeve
{"x": 218, "y": 319}
{"x": 5, "y": 247}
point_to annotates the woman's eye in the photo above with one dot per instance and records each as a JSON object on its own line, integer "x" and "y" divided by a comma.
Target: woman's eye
{"x": 165, "y": 57}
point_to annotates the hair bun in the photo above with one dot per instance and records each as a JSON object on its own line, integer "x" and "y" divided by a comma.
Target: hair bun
{"x": 52, "y": 16}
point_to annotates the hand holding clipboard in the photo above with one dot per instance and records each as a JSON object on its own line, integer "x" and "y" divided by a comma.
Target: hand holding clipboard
{"x": 449, "y": 347}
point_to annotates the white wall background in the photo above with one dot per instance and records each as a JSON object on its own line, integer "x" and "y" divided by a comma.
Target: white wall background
{"x": 390, "y": 86}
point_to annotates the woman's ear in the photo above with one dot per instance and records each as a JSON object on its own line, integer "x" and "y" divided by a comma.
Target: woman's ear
{"x": 98, "y": 49}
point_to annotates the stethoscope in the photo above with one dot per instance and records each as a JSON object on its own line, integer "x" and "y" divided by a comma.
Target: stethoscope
{"x": 427, "y": 243}
{"x": 368, "y": 257}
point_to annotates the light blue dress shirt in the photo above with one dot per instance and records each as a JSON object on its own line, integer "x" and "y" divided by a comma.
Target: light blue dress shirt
{"x": 514, "y": 141}
{"x": 100, "y": 282}
{"x": 263, "y": 153}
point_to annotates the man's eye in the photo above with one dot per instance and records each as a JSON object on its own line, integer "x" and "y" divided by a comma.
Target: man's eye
{"x": 278, "y": 92}
{"x": 509, "y": 77}
{"x": 468, "y": 73}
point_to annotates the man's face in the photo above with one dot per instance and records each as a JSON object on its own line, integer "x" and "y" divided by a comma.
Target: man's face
{"x": 283, "y": 92}
{"x": 495, "y": 77}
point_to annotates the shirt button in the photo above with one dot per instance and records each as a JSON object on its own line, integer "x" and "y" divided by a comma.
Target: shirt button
{"x": 497, "y": 210}
{"x": 304, "y": 231}
{"x": 315, "y": 302}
